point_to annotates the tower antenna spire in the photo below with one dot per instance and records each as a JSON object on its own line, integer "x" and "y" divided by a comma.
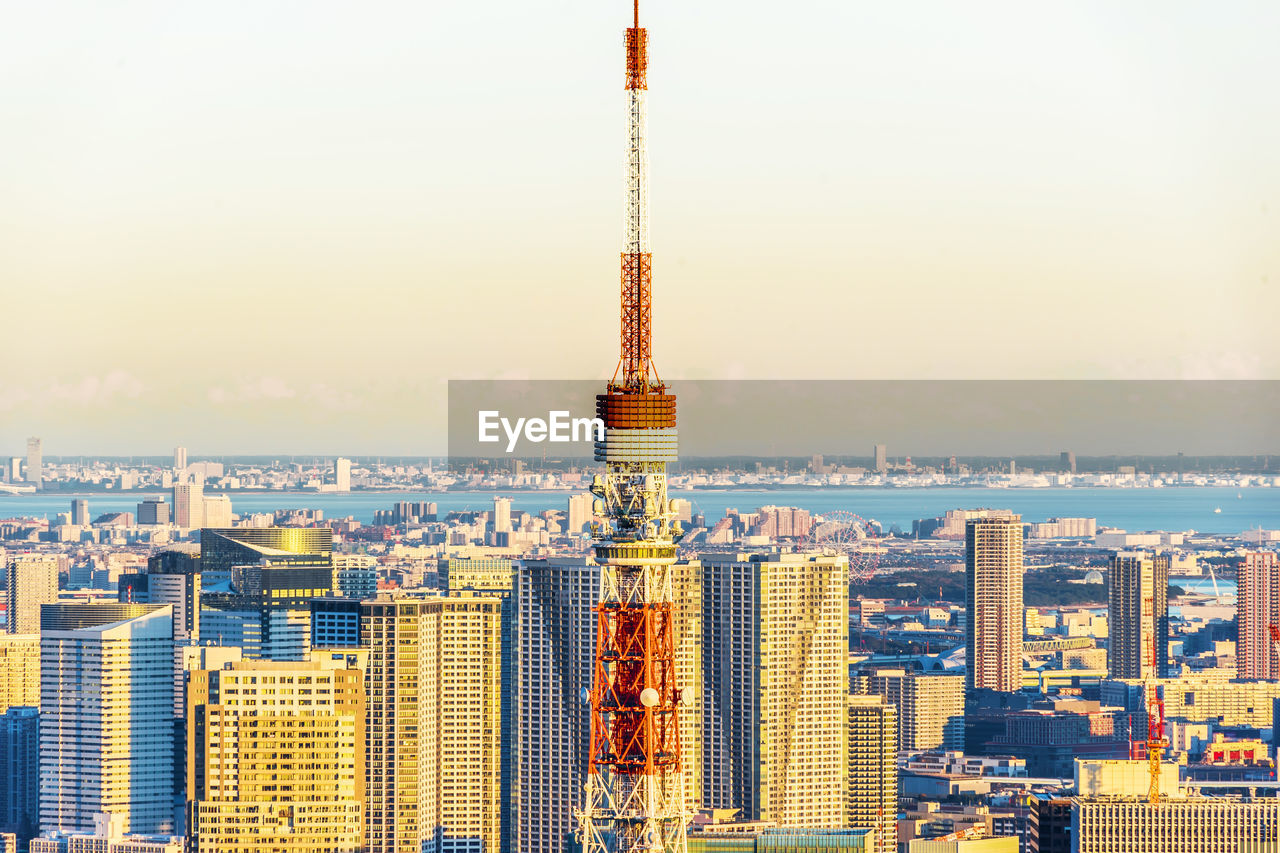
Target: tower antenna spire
{"x": 635, "y": 784}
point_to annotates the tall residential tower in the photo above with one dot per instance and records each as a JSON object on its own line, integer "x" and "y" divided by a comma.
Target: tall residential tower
{"x": 1257, "y": 611}
{"x": 993, "y": 602}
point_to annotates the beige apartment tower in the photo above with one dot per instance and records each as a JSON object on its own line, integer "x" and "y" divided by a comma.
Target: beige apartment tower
{"x": 434, "y": 723}
{"x": 33, "y": 581}
{"x": 1257, "y": 609}
{"x": 872, "y": 781}
{"x": 993, "y": 603}
{"x": 275, "y": 758}
{"x": 19, "y": 670}
{"x": 774, "y": 649}
{"x": 1138, "y": 615}
{"x": 930, "y": 706}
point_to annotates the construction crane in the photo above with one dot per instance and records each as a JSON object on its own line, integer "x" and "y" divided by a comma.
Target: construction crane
{"x": 1157, "y": 743}
{"x": 634, "y": 790}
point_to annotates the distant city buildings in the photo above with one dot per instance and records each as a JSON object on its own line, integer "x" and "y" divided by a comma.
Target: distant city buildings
{"x": 342, "y": 474}
{"x": 179, "y": 459}
{"x": 993, "y": 602}
{"x": 35, "y": 463}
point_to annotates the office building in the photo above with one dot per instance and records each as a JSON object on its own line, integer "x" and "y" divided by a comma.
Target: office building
{"x": 223, "y": 549}
{"x": 32, "y": 582}
{"x": 1175, "y": 825}
{"x": 493, "y": 574}
{"x": 1067, "y": 462}
{"x": 930, "y": 706}
{"x": 181, "y": 591}
{"x": 108, "y": 836}
{"x": 1257, "y": 609}
{"x": 556, "y": 634}
{"x": 188, "y": 505}
{"x": 342, "y": 474}
{"x": 335, "y": 622}
{"x": 998, "y": 844}
{"x": 993, "y": 603}
{"x": 20, "y": 772}
{"x": 774, "y": 644}
{"x": 154, "y": 511}
{"x": 275, "y": 758}
{"x": 35, "y": 463}
{"x": 355, "y": 575}
{"x": 80, "y": 512}
{"x": 1138, "y": 615}
{"x": 872, "y": 782}
{"x": 434, "y": 732}
{"x": 108, "y": 749}
{"x": 882, "y": 458}
{"x": 179, "y": 458}
{"x": 19, "y": 670}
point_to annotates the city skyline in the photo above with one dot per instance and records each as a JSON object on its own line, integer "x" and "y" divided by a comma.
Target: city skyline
{"x": 356, "y": 179}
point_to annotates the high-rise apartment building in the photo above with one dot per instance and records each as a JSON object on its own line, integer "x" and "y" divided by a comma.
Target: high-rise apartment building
{"x": 20, "y": 772}
{"x": 19, "y": 670}
{"x": 35, "y": 463}
{"x": 930, "y": 706}
{"x": 774, "y": 645}
{"x": 434, "y": 731}
{"x": 882, "y": 458}
{"x": 1138, "y": 615}
{"x": 1175, "y": 825}
{"x": 275, "y": 758}
{"x": 179, "y": 458}
{"x": 32, "y": 582}
{"x": 217, "y": 511}
{"x": 581, "y": 512}
{"x": 80, "y": 512}
{"x": 557, "y": 633}
{"x": 342, "y": 474}
{"x": 188, "y": 505}
{"x": 872, "y": 781}
{"x": 993, "y": 603}
{"x": 1257, "y": 610}
{"x": 106, "y": 719}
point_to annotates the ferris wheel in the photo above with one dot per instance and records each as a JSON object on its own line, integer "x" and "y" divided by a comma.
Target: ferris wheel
{"x": 840, "y": 532}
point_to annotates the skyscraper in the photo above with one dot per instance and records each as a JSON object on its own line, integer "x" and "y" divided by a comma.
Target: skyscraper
{"x": 872, "y": 784}
{"x": 882, "y": 458}
{"x": 930, "y": 706}
{"x": 1257, "y": 610}
{"x": 342, "y": 474}
{"x": 181, "y": 591}
{"x": 35, "y": 463}
{"x": 434, "y": 733}
{"x": 33, "y": 581}
{"x": 80, "y": 512}
{"x": 188, "y": 505}
{"x": 502, "y": 515}
{"x": 993, "y": 603}
{"x": 179, "y": 458}
{"x": 581, "y": 512}
{"x": 153, "y": 511}
{"x": 20, "y": 771}
{"x": 278, "y": 747}
{"x": 1138, "y": 615}
{"x": 556, "y": 629}
{"x": 106, "y": 721}
{"x": 774, "y": 646}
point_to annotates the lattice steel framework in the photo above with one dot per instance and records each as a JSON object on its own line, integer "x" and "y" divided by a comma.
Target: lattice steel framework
{"x": 634, "y": 793}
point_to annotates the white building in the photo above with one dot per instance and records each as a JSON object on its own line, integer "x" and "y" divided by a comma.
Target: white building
{"x": 106, "y": 725}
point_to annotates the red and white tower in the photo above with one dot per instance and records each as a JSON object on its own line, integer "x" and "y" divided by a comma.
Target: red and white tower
{"x": 634, "y": 793}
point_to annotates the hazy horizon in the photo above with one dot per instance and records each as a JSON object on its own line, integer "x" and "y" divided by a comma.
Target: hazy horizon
{"x": 286, "y": 227}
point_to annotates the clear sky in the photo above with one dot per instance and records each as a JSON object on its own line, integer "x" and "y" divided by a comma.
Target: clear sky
{"x": 282, "y": 226}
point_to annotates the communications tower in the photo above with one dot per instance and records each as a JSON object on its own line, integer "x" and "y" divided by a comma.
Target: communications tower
{"x": 634, "y": 791}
